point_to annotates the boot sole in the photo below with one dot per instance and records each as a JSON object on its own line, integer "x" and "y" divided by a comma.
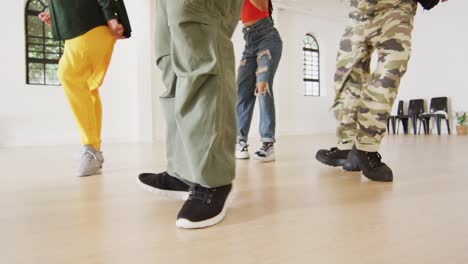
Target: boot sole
{"x": 363, "y": 174}
{"x": 386, "y": 180}
{"x": 353, "y": 169}
{"x": 337, "y": 163}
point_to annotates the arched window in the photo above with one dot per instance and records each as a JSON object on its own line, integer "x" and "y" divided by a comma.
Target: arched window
{"x": 42, "y": 52}
{"x": 311, "y": 66}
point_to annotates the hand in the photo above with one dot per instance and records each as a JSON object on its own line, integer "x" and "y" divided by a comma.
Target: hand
{"x": 45, "y": 17}
{"x": 115, "y": 29}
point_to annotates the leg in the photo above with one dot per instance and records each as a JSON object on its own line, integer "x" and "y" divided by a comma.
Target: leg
{"x": 245, "y": 95}
{"x": 393, "y": 47}
{"x": 81, "y": 71}
{"x": 198, "y": 71}
{"x": 166, "y": 183}
{"x": 167, "y": 98}
{"x": 96, "y": 99}
{"x": 202, "y": 57}
{"x": 75, "y": 71}
{"x": 352, "y": 71}
{"x": 268, "y": 59}
{"x": 353, "y": 64}
{"x": 100, "y": 57}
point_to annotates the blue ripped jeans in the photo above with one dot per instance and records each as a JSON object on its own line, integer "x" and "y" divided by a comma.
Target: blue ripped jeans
{"x": 259, "y": 63}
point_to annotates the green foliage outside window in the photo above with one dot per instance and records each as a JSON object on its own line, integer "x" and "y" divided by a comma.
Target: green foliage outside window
{"x": 42, "y": 52}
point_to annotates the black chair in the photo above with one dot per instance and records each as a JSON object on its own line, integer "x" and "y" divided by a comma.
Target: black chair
{"x": 391, "y": 120}
{"x": 394, "y": 118}
{"x": 438, "y": 111}
{"x": 415, "y": 109}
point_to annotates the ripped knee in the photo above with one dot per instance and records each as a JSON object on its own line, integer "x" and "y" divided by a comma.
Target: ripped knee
{"x": 262, "y": 54}
{"x": 263, "y": 88}
{"x": 262, "y": 70}
{"x": 243, "y": 63}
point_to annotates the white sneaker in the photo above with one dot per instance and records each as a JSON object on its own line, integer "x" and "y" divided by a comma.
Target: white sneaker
{"x": 242, "y": 150}
{"x": 266, "y": 153}
{"x": 91, "y": 162}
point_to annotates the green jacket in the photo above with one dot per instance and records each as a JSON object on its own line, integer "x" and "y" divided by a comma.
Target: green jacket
{"x": 73, "y": 18}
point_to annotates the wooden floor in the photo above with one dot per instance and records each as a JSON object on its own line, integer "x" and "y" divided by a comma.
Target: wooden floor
{"x": 292, "y": 211}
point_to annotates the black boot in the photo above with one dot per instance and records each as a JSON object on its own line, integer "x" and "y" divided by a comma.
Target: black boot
{"x": 370, "y": 164}
{"x": 334, "y": 157}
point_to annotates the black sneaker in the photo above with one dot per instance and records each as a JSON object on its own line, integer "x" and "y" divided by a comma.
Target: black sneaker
{"x": 335, "y": 157}
{"x": 204, "y": 207}
{"x": 371, "y": 165}
{"x": 164, "y": 185}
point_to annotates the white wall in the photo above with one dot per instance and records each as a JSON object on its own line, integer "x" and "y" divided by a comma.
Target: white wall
{"x": 438, "y": 66}
{"x": 299, "y": 114}
{"x": 39, "y": 115}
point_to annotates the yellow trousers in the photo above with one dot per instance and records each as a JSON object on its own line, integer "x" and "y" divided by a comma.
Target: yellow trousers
{"x": 82, "y": 69}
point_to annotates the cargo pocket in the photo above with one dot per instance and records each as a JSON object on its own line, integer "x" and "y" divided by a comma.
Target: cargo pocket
{"x": 194, "y": 48}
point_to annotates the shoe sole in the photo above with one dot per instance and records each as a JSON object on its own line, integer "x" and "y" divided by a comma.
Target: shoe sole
{"x": 165, "y": 194}
{"x": 389, "y": 180}
{"x": 242, "y": 156}
{"x": 186, "y": 224}
{"x": 353, "y": 169}
{"x": 79, "y": 175}
{"x": 97, "y": 171}
{"x": 338, "y": 163}
{"x": 267, "y": 159}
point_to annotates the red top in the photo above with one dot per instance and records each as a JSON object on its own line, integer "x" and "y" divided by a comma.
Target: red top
{"x": 251, "y": 12}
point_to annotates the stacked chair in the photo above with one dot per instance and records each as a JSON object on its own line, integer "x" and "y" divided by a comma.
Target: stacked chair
{"x": 417, "y": 116}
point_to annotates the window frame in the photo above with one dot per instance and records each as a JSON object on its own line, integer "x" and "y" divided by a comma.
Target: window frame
{"x": 41, "y": 41}
{"x": 309, "y": 50}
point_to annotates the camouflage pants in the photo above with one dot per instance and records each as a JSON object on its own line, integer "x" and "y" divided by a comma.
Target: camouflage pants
{"x": 364, "y": 100}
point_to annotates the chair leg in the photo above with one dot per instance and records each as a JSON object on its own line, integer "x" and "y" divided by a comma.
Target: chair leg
{"x": 423, "y": 124}
{"x": 438, "y": 123}
{"x": 426, "y": 122}
{"x": 419, "y": 126}
{"x": 413, "y": 122}
{"x": 388, "y": 125}
{"x": 448, "y": 125}
{"x": 393, "y": 124}
{"x": 405, "y": 126}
